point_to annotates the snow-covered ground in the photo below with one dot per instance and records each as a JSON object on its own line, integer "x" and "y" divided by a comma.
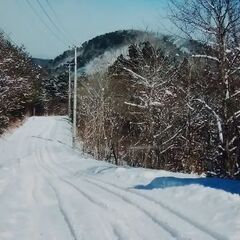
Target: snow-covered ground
{"x": 50, "y": 192}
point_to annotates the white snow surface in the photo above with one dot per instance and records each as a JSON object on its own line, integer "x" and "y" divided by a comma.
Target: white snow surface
{"x": 50, "y": 192}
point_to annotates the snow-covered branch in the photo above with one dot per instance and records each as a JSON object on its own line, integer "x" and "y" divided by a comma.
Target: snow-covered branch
{"x": 206, "y": 57}
{"x": 135, "y": 105}
{"x": 135, "y": 75}
{"x": 217, "y": 117}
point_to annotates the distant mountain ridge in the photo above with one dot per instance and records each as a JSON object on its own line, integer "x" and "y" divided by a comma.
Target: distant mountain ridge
{"x": 45, "y": 63}
{"x": 98, "y": 46}
{"x": 109, "y": 46}
{"x": 101, "y": 51}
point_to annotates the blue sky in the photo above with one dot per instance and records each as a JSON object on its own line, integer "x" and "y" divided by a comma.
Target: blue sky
{"x": 80, "y": 20}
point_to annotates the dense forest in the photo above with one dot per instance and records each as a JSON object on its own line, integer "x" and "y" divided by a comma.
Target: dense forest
{"x": 169, "y": 111}
{"x": 20, "y": 84}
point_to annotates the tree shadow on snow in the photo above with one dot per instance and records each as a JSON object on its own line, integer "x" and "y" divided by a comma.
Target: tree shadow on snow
{"x": 232, "y": 186}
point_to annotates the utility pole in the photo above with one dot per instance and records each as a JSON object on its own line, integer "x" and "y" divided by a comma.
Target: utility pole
{"x": 69, "y": 91}
{"x": 75, "y": 100}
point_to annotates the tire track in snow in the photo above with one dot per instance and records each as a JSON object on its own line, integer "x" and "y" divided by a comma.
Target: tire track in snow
{"x": 165, "y": 226}
{"x": 98, "y": 203}
{"x": 82, "y": 193}
{"x": 52, "y": 173}
{"x": 195, "y": 224}
{"x": 158, "y": 223}
{"x": 64, "y": 214}
{"x": 117, "y": 233}
{"x": 66, "y": 218}
{"x": 162, "y": 224}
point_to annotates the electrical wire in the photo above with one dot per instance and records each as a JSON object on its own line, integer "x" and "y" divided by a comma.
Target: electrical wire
{"x": 43, "y": 22}
{"x": 57, "y": 28}
{"x": 52, "y": 9}
{"x": 50, "y": 6}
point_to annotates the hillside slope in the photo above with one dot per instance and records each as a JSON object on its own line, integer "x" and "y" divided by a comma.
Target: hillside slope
{"x": 103, "y": 50}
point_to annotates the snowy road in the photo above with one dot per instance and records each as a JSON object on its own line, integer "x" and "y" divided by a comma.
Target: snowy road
{"x": 50, "y": 192}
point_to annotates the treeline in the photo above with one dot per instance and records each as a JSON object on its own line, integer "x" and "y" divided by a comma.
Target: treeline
{"x": 55, "y": 91}
{"x": 20, "y": 84}
{"x": 169, "y": 111}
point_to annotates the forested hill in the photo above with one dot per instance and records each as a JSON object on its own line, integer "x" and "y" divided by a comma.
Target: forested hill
{"x": 98, "y": 45}
{"x": 99, "y": 53}
{"x": 109, "y": 46}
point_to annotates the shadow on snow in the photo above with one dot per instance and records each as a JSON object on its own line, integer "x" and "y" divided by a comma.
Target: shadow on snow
{"x": 232, "y": 186}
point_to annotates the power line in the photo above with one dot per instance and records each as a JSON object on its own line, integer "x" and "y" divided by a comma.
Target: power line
{"x": 50, "y": 6}
{"x": 51, "y": 20}
{"x": 43, "y": 22}
{"x": 52, "y": 9}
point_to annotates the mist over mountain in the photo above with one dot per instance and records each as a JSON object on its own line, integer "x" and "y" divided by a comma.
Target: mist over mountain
{"x": 100, "y": 52}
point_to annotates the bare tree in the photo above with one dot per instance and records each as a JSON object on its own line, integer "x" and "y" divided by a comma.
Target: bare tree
{"x": 149, "y": 98}
{"x": 217, "y": 24}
